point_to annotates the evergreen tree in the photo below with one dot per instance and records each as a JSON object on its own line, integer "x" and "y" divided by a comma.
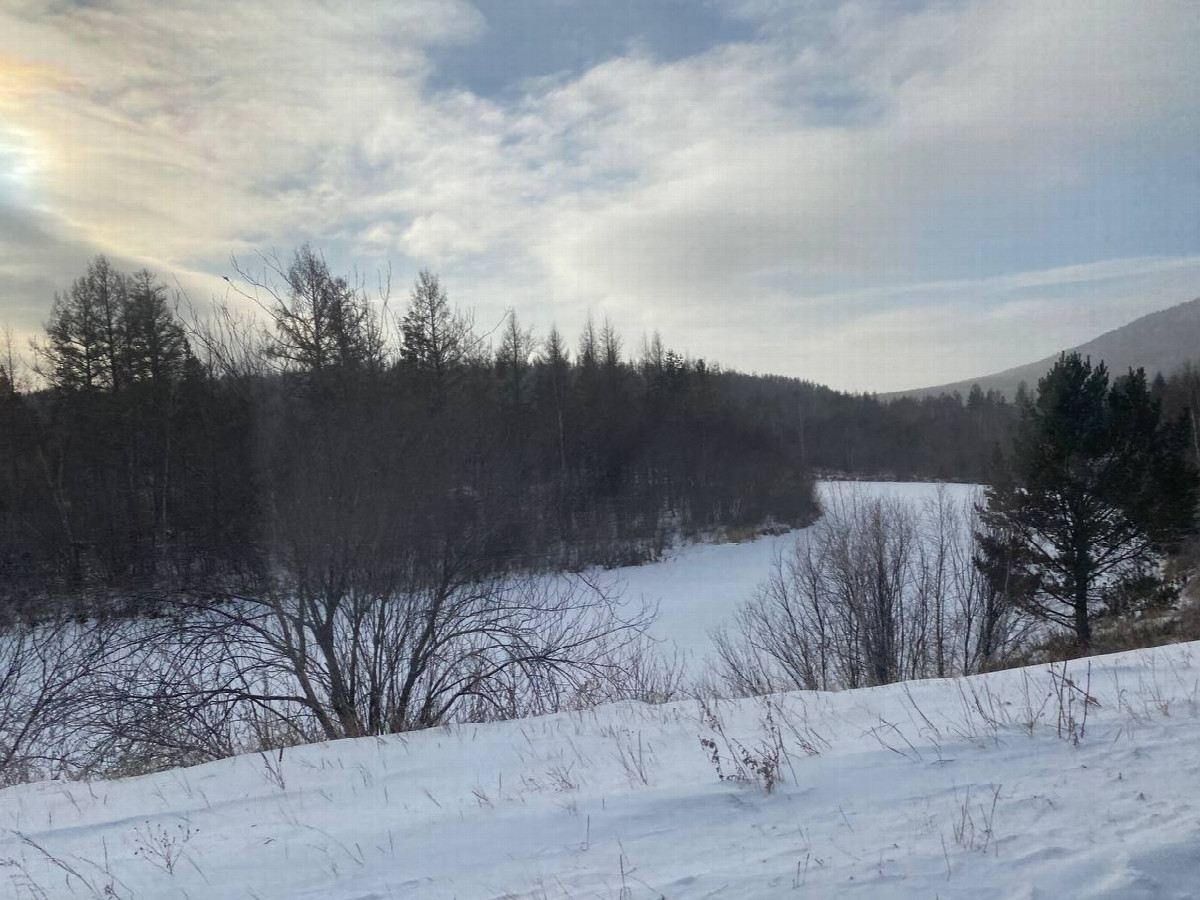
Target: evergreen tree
{"x": 610, "y": 348}
{"x": 437, "y": 340}
{"x": 513, "y": 359}
{"x": 589, "y": 346}
{"x": 83, "y": 342}
{"x": 1097, "y": 489}
{"x": 155, "y": 348}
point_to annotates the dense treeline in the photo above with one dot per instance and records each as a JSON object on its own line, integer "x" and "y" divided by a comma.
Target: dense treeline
{"x": 129, "y": 467}
{"x": 167, "y": 453}
{"x": 155, "y": 450}
{"x": 1179, "y": 394}
{"x": 946, "y": 438}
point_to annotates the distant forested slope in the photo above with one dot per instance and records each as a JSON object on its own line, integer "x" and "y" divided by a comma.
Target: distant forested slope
{"x": 1162, "y": 341}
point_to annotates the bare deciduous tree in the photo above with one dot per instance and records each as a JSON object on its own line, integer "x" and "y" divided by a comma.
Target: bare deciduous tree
{"x": 321, "y": 322}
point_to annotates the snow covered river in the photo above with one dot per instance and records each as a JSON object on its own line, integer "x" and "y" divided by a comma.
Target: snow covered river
{"x": 698, "y": 586}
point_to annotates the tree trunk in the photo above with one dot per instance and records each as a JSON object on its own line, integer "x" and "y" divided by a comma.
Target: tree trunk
{"x": 1083, "y": 624}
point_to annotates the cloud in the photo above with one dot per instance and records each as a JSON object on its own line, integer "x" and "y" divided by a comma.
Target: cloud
{"x": 194, "y": 127}
{"x": 831, "y": 185}
{"x": 975, "y": 114}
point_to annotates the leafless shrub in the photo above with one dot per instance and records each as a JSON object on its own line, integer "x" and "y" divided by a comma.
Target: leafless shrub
{"x": 286, "y": 668}
{"x": 878, "y": 591}
{"x": 376, "y": 650}
{"x": 45, "y": 670}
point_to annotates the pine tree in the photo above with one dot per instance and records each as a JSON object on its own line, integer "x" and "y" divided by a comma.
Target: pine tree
{"x": 1097, "y": 489}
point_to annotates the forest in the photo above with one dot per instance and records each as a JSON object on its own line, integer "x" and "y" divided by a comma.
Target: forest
{"x": 150, "y": 447}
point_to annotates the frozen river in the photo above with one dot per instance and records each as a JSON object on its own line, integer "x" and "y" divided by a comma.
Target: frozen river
{"x": 700, "y": 585}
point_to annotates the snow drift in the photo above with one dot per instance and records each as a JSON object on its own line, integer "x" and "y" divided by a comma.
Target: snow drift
{"x": 1054, "y": 781}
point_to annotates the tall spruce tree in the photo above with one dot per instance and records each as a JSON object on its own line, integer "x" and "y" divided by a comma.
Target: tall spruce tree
{"x": 438, "y": 340}
{"x": 1097, "y": 488}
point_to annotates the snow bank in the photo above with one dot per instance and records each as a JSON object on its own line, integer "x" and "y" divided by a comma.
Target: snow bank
{"x": 1026, "y": 784}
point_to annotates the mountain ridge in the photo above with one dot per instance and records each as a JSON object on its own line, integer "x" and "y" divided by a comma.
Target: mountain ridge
{"x": 1160, "y": 341}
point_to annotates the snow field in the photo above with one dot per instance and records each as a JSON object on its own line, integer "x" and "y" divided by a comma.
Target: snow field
{"x": 1042, "y": 782}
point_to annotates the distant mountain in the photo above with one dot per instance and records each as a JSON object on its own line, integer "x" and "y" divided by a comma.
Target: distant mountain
{"x": 1159, "y": 342}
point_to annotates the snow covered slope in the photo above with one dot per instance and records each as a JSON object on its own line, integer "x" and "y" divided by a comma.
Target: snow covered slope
{"x": 1025, "y": 784}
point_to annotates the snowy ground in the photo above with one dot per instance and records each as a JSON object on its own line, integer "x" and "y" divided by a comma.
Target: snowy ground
{"x": 700, "y": 585}
{"x": 953, "y": 789}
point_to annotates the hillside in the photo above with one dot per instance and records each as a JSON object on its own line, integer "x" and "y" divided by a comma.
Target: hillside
{"x": 1159, "y": 342}
{"x": 1041, "y": 782}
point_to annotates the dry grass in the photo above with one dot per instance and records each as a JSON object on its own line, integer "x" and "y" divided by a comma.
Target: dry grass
{"x": 1153, "y": 628}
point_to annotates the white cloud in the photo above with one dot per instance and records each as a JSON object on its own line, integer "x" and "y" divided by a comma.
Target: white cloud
{"x": 981, "y": 104}
{"x": 788, "y": 204}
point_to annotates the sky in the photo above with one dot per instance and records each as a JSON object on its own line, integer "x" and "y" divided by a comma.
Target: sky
{"x": 873, "y": 194}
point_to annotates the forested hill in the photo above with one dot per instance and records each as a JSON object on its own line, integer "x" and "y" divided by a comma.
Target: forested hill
{"x": 1162, "y": 341}
{"x": 156, "y": 452}
{"x": 946, "y": 438}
